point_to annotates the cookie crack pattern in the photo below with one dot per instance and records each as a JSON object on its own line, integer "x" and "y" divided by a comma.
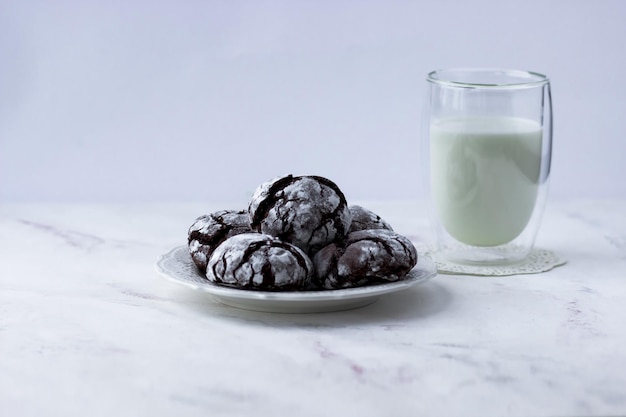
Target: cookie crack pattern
{"x": 282, "y": 217}
{"x": 297, "y": 233}
{"x": 411, "y": 254}
{"x": 261, "y": 264}
{"x": 340, "y": 229}
{"x": 250, "y": 250}
{"x": 211, "y": 230}
{"x": 217, "y": 276}
{"x": 266, "y": 273}
{"x": 274, "y": 194}
{"x": 210, "y": 240}
{"x": 302, "y": 260}
{"x": 396, "y": 268}
{"x": 367, "y": 256}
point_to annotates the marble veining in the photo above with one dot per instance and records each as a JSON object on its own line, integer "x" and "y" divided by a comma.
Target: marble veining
{"x": 70, "y": 237}
{"x": 619, "y": 242}
{"x": 88, "y": 328}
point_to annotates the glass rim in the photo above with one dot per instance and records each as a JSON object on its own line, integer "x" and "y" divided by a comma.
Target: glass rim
{"x": 517, "y": 78}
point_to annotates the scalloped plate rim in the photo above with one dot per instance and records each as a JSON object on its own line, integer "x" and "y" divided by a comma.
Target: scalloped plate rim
{"x": 424, "y": 271}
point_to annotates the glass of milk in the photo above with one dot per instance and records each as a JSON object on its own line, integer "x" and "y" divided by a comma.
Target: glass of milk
{"x": 487, "y": 145}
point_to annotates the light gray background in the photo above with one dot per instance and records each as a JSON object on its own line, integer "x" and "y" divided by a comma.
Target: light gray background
{"x": 203, "y": 100}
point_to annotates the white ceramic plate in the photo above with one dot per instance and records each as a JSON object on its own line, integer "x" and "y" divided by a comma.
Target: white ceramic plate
{"x": 177, "y": 266}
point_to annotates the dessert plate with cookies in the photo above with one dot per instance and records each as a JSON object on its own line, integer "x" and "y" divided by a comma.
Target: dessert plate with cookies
{"x": 298, "y": 248}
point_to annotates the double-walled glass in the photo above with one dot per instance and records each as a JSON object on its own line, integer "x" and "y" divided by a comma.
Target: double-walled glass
{"x": 487, "y": 145}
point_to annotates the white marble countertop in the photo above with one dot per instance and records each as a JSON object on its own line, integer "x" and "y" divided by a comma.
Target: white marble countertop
{"x": 87, "y": 328}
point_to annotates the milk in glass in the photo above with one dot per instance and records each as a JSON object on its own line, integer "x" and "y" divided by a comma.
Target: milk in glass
{"x": 485, "y": 176}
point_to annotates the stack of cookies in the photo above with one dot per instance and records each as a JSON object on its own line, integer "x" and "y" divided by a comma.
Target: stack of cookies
{"x": 299, "y": 234}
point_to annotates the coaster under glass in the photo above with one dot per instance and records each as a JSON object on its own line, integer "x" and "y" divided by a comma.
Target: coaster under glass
{"x": 539, "y": 260}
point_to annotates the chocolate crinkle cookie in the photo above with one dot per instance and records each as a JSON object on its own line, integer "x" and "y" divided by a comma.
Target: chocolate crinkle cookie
{"x": 257, "y": 261}
{"x": 365, "y": 219}
{"x": 210, "y": 230}
{"x": 307, "y": 211}
{"x": 365, "y": 257}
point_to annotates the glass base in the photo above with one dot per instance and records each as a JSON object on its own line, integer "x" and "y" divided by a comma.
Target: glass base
{"x": 538, "y": 260}
{"x": 499, "y": 255}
